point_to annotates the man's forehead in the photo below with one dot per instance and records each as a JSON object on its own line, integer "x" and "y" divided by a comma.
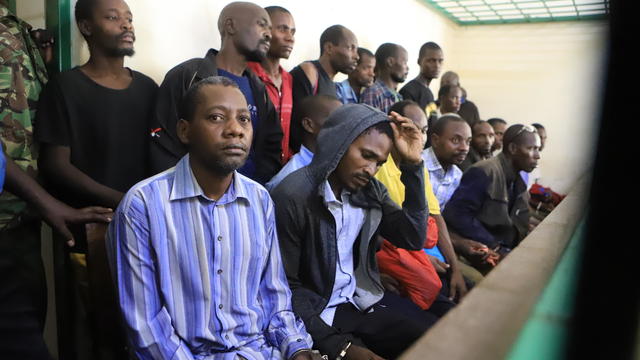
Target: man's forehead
{"x": 458, "y": 128}
{"x": 433, "y": 53}
{"x": 483, "y": 128}
{"x": 219, "y": 96}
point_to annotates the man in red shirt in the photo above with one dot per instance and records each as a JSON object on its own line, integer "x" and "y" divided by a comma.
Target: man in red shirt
{"x": 278, "y": 81}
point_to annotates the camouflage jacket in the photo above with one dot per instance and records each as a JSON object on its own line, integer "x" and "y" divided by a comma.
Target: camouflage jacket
{"x": 22, "y": 76}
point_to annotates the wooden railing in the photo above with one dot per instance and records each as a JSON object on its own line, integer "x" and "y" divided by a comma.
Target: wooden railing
{"x": 486, "y": 323}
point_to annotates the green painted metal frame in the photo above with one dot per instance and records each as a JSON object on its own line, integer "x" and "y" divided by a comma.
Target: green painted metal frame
{"x": 58, "y": 20}
{"x": 525, "y": 19}
{"x": 546, "y": 333}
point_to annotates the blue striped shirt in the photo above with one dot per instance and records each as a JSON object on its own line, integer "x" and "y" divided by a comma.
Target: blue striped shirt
{"x": 198, "y": 278}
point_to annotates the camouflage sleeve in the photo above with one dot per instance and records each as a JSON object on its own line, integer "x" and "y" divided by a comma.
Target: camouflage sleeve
{"x": 21, "y": 79}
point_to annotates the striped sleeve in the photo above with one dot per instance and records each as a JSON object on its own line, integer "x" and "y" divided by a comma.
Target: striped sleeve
{"x": 132, "y": 262}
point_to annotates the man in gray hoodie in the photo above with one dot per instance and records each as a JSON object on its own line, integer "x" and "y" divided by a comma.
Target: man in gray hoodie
{"x": 329, "y": 215}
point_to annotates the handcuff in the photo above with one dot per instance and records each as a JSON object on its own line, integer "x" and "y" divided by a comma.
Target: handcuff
{"x": 343, "y": 353}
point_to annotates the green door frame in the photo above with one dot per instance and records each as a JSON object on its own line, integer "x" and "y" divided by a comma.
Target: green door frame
{"x": 58, "y": 20}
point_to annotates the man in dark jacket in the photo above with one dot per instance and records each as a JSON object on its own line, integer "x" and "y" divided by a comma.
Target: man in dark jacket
{"x": 329, "y": 215}
{"x": 490, "y": 205}
{"x": 245, "y": 29}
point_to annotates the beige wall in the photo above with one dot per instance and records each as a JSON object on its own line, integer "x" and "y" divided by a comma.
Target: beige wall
{"x": 548, "y": 73}
{"x": 545, "y": 72}
{"x": 31, "y": 11}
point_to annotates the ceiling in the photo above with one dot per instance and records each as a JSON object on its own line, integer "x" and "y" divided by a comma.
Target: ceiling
{"x": 478, "y": 12}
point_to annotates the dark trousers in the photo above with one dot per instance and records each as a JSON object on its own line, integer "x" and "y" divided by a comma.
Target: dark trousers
{"x": 393, "y": 325}
{"x": 23, "y": 294}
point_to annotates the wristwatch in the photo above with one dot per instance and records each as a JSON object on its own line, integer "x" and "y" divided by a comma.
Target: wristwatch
{"x": 343, "y": 352}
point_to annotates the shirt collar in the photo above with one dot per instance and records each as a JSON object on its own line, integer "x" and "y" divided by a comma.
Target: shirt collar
{"x": 258, "y": 69}
{"x": 387, "y": 92}
{"x": 509, "y": 172}
{"x": 186, "y": 186}
{"x": 431, "y": 160}
{"x": 305, "y": 154}
{"x": 329, "y": 197}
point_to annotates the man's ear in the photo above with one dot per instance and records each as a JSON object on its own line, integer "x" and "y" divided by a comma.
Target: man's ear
{"x": 435, "y": 139}
{"x": 230, "y": 27}
{"x": 183, "y": 131}
{"x": 85, "y": 28}
{"x": 327, "y": 48}
{"x": 512, "y": 148}
{"x": 308, "y": 125}
{"x": 390, "y": 62}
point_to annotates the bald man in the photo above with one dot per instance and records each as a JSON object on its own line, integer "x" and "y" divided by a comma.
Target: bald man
{"x": 245, "y": 30}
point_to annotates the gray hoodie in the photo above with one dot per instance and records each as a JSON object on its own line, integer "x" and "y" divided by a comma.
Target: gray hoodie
{"x": 307, "y": 232}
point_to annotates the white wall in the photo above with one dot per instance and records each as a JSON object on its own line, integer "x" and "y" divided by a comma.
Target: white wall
{"x": 544, "y": 72}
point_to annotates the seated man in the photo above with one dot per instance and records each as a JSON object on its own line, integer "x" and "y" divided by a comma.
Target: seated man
{"x": 449, "y": 99}
{"x": 194, "y": 250}
{"x": 313, "y": 112}
{"x": 329, "y": 215}
{"x": 499, "y": 126}
{"x": 482, "y": 140}
{"x": 441, "y": 253}
{"x": 490, "y": 205}
{"x": 362, "y": 77}
{"x": 450, "y": 139}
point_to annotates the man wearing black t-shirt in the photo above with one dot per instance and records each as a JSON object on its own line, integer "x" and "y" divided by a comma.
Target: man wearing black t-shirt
{"x": 430, "y": 60}
{"x": 245, "y": 29}
{"x": 92, "y": 126}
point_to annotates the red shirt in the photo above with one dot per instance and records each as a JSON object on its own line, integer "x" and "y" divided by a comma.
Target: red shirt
{"x": 282, "y": 99}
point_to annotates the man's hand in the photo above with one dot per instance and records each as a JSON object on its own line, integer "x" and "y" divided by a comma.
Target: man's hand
{"x": 473, "y": 251}
{"x": 355, "y": 352}
{"x": 59, "y": 216}
{"x": 457, "y": 286}
{"x": 407, "y": 139}
{"x": 390, "y": 283}
{"x": 441, "y": 267}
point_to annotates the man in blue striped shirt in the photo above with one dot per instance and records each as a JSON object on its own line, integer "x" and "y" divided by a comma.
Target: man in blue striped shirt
{"x": 194, "y": 249}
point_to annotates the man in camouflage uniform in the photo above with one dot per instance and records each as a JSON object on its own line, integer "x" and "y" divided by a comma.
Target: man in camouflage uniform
{"x": 22, "y": 283}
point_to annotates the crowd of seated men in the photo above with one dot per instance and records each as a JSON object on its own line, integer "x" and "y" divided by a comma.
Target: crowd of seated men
{"x": 253, "y": 213}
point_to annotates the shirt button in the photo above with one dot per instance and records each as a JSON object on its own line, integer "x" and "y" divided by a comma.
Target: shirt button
{"x": 219, "y": 238}
{"x": 299, "y": 340}
{"x": 220, "y": 306}
{"x": 226, "y": 337}
{"x": 219, "y": 271}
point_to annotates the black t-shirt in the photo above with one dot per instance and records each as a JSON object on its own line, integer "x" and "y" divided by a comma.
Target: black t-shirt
{"x": 107, "y": 130}
{"x": 417, "y": 92}
{"x": 302, "y": 88}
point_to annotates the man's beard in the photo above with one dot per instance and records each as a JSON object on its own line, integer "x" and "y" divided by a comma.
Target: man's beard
{"x": 118, "y": 52}
{"x": 397, "y": 78}
{"x": 225, "y": 166}
{"x": 255, "y": 55}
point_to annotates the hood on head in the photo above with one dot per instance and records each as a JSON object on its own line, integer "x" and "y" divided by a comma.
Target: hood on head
{"x": 339, "y": 131}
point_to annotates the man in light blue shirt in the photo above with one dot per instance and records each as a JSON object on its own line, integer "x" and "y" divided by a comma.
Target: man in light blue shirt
{"x": 313, "y": 111}
{"x": 194, "y": 250}
{"x": 349, "y": 90}
{"x": 450, "y": 141}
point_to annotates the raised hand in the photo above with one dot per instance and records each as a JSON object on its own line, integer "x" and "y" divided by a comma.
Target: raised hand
{"x": 407, "y": 139}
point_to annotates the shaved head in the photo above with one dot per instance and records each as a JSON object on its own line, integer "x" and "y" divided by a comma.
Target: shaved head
{"x": 245, "y": 29}
{"x": 238, "y": 10}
